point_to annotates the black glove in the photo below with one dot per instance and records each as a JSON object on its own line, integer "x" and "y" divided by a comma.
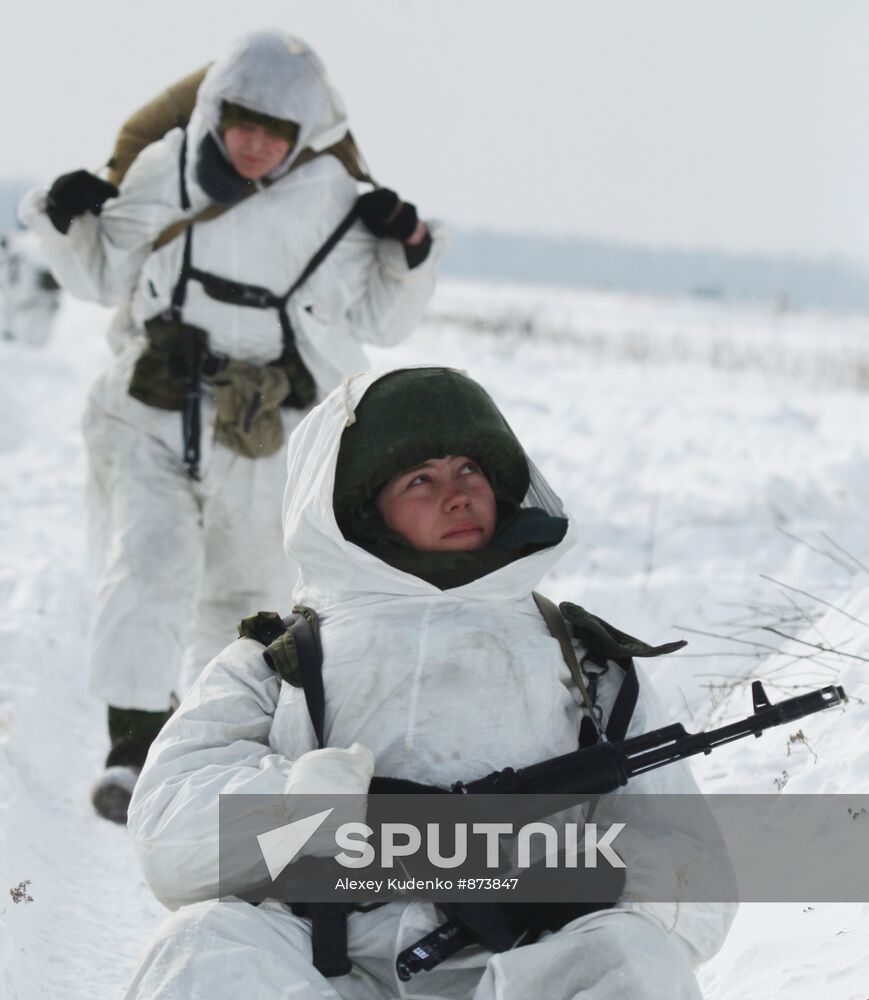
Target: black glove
{"x": 385, "y": 215}
{"x": 74, "y": 194}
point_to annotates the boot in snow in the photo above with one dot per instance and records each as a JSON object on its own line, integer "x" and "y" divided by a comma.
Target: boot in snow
{"x": 112, "y": 793}
{"x": 132, "y": 731}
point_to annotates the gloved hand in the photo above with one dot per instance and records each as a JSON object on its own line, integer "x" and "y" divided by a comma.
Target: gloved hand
{"x": 74, "y": 194}
{"x": 385, "y": 215}
{"x": 334, "y": 771}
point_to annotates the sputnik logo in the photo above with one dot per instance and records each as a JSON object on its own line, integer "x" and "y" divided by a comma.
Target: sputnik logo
{"x": 280, "y": 846}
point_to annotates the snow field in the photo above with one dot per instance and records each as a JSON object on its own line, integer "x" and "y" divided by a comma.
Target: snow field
{"x": 697, "y": 445}
{"x": 91, "y": 911}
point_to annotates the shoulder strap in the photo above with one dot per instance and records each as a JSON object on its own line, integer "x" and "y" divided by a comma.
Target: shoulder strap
{"x": 303, "y": 627}
{"x": 293, "y": 651}
{"x": 217, "y": 209}
{"x": 211, "y": 211}
{"x": 179, "y": 292}
{"x": 626, "y": 699}
{"x": 557, "y": 626}
{"x": 328, "y": 246}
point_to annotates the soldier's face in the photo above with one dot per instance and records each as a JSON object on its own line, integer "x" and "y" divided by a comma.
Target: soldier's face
{"x": 443, "y": 505}
{"x": 253, "y": 150}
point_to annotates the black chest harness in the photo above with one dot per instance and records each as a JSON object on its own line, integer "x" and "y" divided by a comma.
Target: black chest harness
{"x": 198, "y": 361}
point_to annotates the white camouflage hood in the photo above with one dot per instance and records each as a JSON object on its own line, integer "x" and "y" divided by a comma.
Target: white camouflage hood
{"x": 334, "y": 570}
{"x": 275, "y": 74}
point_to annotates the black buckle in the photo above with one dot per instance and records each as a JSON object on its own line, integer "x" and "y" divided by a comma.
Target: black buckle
{"x": 428, "y": 953}
{"x": 235, "y": 293}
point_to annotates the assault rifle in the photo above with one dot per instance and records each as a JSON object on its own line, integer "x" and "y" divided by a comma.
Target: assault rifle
{"x": 604, "y": 767}
{"x": 587, "y": 772}
{"x": 591, "y": 771}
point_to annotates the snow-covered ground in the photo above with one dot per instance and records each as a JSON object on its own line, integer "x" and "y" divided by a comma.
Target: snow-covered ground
{"x": 717, "y": 461}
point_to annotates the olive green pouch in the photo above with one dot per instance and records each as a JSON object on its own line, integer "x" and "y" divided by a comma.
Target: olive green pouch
{"x": 247, "y": 401}
{"x": 160, "y": 374}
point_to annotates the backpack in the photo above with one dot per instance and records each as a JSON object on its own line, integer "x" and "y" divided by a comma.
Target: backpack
{"x": 172, "y": 109}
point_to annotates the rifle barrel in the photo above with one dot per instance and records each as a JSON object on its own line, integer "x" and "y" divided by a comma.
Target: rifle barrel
{"x": 664, "y": 746}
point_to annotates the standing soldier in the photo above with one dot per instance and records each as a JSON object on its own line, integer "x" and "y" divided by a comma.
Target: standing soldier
{"x": 247, "y": 273}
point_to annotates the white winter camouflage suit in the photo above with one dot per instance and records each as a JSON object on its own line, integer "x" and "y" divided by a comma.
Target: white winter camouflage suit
{"x": 429, "y": 685}
{"x": 177, "y": 561}
{"x": 29, "y": 299}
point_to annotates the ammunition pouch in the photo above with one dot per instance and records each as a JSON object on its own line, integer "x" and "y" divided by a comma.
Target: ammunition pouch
{"x": 247, "y": 401}
{"x": 161, "y": 377}
{"x": 169, "y": 371}
{"x": 247, "y": 397}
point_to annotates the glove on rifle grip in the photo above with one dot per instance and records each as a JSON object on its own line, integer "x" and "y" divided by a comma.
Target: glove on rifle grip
{"x": 74, "y": 194}
{"x": 385, "y": 215}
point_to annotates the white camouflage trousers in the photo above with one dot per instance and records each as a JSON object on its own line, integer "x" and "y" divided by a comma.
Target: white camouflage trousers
{"x": 229, "y": 949}
{"x": 177, "y": 563}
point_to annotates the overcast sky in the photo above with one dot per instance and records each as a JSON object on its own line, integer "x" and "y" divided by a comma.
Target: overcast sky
{"x": 733, "y": 124}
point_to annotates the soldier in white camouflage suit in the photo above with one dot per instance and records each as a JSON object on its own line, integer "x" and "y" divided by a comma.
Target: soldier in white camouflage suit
{"x": 421, "y": 529}
{"x": 212, "y": 226}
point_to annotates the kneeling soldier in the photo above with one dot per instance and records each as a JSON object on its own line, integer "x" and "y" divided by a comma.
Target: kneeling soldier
{"x": 421, "y": 529}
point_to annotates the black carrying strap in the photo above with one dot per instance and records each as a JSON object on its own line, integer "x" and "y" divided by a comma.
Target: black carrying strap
{"x": 626, "y": 701}
{"x": 328, "y": 920}
{"x": 293, "y": 652}
{"x": 236, "y": 292}
{"x": 179, "y": 292}
{"x": 191, "y": 412}
{"x": 259, "y": 297}
{"x": 306, "y": 637}
{"x": 328, "y": 246}
{"x": 239, "y": 293}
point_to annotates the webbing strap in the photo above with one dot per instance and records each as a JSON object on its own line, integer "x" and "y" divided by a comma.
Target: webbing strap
{"x": 182, "y": 179}
{"x": 324, "y": 251}
{"x": 626, "y": 700}
{"x": 211, "y": 211}
{"x": 179, "y": 292}
{"x": 556, "y": 625}
{"x": 310, "y": 658}
{"x": 237, "y": 293}
{"x": 240, "y": 293}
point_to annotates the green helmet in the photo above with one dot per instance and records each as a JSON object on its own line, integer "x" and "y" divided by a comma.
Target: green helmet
{"x": 412, "y": 415}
